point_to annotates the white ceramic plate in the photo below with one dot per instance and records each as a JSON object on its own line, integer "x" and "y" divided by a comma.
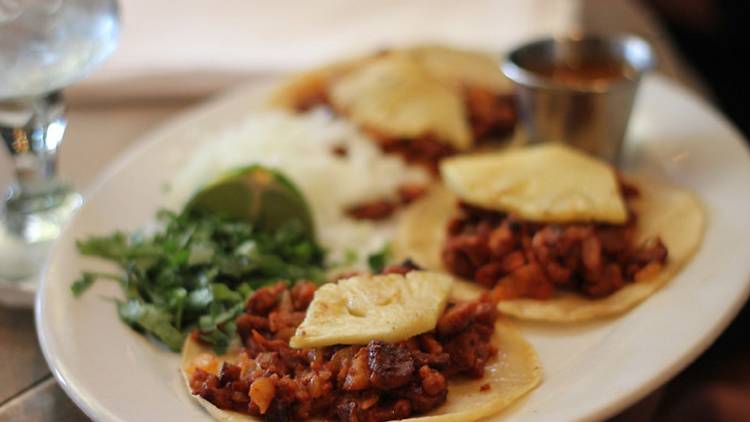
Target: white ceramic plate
{"x": 591, "y": 370}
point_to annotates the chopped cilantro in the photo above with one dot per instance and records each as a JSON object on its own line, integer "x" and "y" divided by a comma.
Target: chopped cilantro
{"x": 197, "y": 272}
{"x": 378, "y": 260}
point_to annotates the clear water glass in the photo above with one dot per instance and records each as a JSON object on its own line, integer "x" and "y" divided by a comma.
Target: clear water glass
{"x": 45, "y": 45}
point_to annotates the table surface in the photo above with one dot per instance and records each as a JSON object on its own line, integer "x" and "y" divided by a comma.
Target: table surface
{"x": 28, "y": 392}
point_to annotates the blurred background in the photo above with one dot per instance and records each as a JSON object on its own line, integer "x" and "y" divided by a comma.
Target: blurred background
{"x": 173, "y": 55}
{"x": 712, "y": 36}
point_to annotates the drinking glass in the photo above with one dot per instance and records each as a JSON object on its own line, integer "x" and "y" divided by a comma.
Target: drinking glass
{"x": 45, "y": 45}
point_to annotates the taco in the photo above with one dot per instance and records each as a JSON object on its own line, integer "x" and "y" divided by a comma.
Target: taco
{"x": 554, "y": 234}
{"x": 423, "y": 103}
{"x": 369, "y": 348}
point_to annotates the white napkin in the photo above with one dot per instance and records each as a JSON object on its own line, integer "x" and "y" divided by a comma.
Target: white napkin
{"x": 194, "y": 47}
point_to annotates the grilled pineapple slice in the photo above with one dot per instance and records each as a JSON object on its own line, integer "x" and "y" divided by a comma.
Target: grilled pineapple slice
{"x": 390, "y": 308}
{"x": 398, "y": 97}
{"x": 462, "y": 68}
{"x": 546, "y": 183}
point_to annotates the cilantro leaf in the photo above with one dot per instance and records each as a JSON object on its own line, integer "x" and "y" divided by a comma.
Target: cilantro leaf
{"x": 377, "y": 261}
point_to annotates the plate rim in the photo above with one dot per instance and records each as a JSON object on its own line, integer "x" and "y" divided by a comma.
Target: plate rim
{"x": 93, "y": 408}
{"x": 720, "y": 324}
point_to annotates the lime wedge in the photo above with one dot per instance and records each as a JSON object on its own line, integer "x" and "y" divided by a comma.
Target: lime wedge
{"x": 255, "y": 194}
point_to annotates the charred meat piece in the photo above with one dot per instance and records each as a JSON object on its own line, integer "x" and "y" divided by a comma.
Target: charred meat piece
{"x": 392, "y": 365}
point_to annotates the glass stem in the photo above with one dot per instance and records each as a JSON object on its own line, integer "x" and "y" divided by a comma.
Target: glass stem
{"x": 32, "y": 130}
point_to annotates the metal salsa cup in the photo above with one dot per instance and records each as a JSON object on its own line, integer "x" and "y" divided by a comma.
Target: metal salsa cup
{"x": 588, "y": 112}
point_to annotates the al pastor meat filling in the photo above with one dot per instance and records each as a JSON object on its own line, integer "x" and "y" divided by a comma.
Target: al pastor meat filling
{"x": 491, "y": 116}
{"x": 374, "y": 382}
{"x": 521, "y": 259}
{"x": 382, "y": 209}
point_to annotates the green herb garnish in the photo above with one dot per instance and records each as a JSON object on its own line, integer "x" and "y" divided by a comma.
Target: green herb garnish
{"x": 378, "y": 260}
{"x": 198, "y": 271}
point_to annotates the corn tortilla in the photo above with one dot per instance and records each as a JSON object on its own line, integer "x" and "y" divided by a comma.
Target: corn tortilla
{"x": 675, "y": 215}
{"x": 513, "y": 373}
{"x": 300, "y": 87}
{"x": 400, "y": 93}
{"x": 455, "y": 67}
